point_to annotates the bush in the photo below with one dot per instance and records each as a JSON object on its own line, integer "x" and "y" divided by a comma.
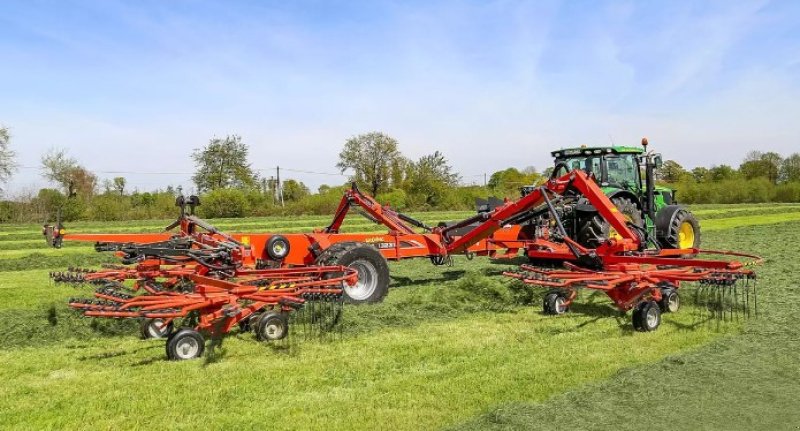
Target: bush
{"x": 224, "y": 203}
{"x": 110, "y": 207}
{"x": 396, "y": 199}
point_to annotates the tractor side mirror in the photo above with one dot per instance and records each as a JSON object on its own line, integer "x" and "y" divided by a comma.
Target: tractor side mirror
{"x": 657, "y": 162}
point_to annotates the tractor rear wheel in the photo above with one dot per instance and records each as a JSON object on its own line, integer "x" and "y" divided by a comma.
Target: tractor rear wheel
{"x": 683, "y": 231}
{"x": 373, "y": 271}
{"x": 594, "y": 230}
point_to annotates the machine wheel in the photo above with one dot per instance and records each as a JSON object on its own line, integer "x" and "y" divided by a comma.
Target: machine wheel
{"x": 154, "y": 328}
{"x": 683, "y": 231}
{"x": 594, "y": 230}
{"x": 646, "y": 316}
{"x": 185, "y": 344}
{"x": 277, "y": 247}
{"x": 670, "y": 300}
{"x": 249, "y": 323}
{"x": 373, "y": 271}
{"x": 272, "y": 326}
{"x": 555, "y": 303}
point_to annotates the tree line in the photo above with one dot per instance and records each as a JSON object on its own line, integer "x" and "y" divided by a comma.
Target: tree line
{"x": 761, "y": 177}
{"x": 230, "y": 187}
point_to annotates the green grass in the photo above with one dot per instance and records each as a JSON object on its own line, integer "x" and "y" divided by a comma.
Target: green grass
{"x": 451, "y": 346}
{"x": 742, "y": 382}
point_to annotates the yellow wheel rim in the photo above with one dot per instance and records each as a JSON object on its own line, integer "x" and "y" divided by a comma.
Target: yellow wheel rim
{"x": 613, "y": 234}
{"x": 686, "y": 235}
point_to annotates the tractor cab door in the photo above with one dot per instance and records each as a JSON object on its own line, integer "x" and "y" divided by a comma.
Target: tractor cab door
{"x": 622, "y": 171}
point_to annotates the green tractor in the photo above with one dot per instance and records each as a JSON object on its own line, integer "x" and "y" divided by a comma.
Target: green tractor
{"x": 626, "y": 175}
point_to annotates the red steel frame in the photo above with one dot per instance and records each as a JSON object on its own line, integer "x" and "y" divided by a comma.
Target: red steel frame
{"x": 491, "y": 237}
{"x": 619, "y": 266}
{"x": 215, "y": 300}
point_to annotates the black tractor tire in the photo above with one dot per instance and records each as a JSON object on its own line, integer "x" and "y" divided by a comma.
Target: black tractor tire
{"x": 185, "y": 344}
{"x": 153, "y": 328}
{"x": 373, "y": 271}
{"x": 672, "y": 237}
{"x": 646, "y": 316}
{"x": 553, "y": 303}
{"x": 272, "y": 326}
{"x": 593, "y": 230}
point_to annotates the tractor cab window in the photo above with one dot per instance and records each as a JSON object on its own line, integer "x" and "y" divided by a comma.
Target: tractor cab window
{"x": 586, "y": 164}
{"x": 622, "y": 170}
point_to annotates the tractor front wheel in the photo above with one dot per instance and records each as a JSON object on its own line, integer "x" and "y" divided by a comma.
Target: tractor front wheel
{"x": 646, "y": 316}
{"x": 185, "y": 344}
{"x": 681, "y": 231}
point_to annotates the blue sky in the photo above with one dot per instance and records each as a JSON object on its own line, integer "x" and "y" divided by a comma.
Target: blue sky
{"x": 135, "y": 86}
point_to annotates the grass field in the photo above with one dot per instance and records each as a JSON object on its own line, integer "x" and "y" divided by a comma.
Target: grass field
{"x": 456, "y": 347}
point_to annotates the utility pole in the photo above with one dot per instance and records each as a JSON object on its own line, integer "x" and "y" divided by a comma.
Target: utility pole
{"x": 484, "y": 179}
{"x": 279, "y": 188}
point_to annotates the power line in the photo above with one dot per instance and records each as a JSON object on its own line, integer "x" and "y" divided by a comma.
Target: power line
{"x": 192, "y": 173}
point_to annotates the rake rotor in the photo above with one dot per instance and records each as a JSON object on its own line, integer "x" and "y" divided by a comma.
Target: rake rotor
{"x": 726, "y": 289}
{"x": 257, "y": 299}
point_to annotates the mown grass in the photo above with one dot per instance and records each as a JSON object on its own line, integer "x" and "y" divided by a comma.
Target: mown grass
{"x": 449, "y": 343}
{"x": 743, "y": 382}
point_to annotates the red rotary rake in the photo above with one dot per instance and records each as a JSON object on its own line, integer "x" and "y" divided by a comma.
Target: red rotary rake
{"x": 259, "y": 299}
{"x": 649, "y": 288}
{"x": 631, "y": 266}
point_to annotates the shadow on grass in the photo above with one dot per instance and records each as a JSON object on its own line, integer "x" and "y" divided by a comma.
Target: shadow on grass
{"x": 116, "y": 353}
{"x": 401, "y": 281}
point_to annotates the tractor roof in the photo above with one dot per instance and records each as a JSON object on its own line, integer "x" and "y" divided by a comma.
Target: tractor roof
{"x": 585, "y": 150}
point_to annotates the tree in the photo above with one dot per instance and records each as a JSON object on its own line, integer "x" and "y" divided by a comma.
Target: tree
{"x": 431, "y": 177}
{"x": 65, "y": 171}
{"x": 119, "y": 185}
{"x": 790, "y": 168}
{"x": 512, "y": 179}
{"x": 671, "y": 172}
{"x": 223, "y": 164}
{"x": 371, "y": 156}
{"x": 721, "y": 173}
{"x": 701, "y": 174}
{"x": 757, "y": 164}
{"x": 7, "y": 156}
{"x": 294, "y": 190}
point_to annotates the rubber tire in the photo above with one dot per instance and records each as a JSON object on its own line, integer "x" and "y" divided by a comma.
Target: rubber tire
{"x": 639, "y": 317}
{"x": 671, "y": 239}
{"x": 248, "y": 324}
{"x": 666, "y": 293}
{"x": 174, "y": 340}
{"x": 348, "y": 253}
{"x": 271, "y": 243}
{"x": 147, "y": 332}
{"x": 594, "y": 230}
{"x": 549, "y": 303}
{"x": 271, "y": 318}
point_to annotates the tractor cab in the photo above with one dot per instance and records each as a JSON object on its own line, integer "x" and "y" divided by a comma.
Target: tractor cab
{"x": 612, "y": 167}
{"x": 626, "y": 174}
